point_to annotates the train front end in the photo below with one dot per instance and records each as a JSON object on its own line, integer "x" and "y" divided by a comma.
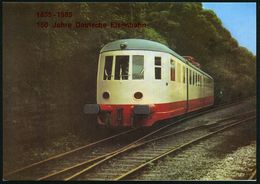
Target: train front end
{"x": 125, "y": 92}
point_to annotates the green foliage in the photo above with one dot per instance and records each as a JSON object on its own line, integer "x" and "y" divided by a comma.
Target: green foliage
{"x": 151, "y": 34}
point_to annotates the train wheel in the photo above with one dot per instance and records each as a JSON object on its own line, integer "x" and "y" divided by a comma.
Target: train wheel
{"x": 105, "y": 117}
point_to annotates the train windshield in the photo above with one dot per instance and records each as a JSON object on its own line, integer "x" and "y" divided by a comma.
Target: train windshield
{"x": 138, "y": 67}
{"x": 108, "y": 68}
{"x": 121, "y": 68}
{"x": 118, "y": 68}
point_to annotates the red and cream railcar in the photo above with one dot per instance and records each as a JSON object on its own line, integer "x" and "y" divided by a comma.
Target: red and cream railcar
{"x": 140, "y": 82}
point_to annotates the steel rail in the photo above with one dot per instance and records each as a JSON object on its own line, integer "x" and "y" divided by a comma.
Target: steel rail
{"x": 68, "y": 152}
{"x": 134, "y": 145}
{"x": 114, "y": 152}
{"x": 109, "y": 138}
{"x": 218, "y": 122}
{"x": 175, "y": 149}
{"x": 109, "y": 154}
{"x": 184, "y": 131}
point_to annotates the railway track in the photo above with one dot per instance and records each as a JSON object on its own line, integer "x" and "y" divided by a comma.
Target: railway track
{"x": 126, "y": 162}
{"x": 181, "y": 147}
{"x": 90, "y": 152}
{"x": 83, "y": 168}
{"x": 91, "y": 155}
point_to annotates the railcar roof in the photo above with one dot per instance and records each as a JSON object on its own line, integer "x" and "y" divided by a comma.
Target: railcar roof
{"x": 142, "y": 44}
{"x": 139, "y": 44}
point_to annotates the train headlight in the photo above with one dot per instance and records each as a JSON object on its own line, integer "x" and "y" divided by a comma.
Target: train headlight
{"x": 138, "y": 95}
{"x": 123, "y": 45}
{"x": 106, "y": 95}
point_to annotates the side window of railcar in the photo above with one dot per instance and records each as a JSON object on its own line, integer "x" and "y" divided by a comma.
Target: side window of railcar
{"x": 193, "y": 78}
{"x": 172, "y": 70}
{"x": 183, "y": 74}
{"x": 190, "y": 76}
{"x": 187, "y": 75}
{"x": 158, "y": 69}
{"x": 122, "y": 67}
{"x": 199, "y": 80}
{"x": 108, "y": 68}
{"x": 207, "y": 82}
{"x": 138, "y": 67}
{"x": 196, "y": 79}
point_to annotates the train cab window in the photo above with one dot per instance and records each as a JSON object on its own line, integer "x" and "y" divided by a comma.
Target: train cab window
{"x": 158, "y": 69}
{"x": 108, "y": 68}
{"x": 121, "y": 67}
{"x": 138, "y": 67}
{"x": 183, "y": 74}
{"x": 172, "y": 70}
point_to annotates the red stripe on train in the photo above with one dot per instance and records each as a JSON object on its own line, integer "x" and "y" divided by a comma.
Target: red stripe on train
{"x": 159, "y": 112}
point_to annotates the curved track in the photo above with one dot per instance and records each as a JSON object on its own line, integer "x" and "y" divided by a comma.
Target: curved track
{"x": 84, "y": 158}
{"x": 125, "y": 162}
